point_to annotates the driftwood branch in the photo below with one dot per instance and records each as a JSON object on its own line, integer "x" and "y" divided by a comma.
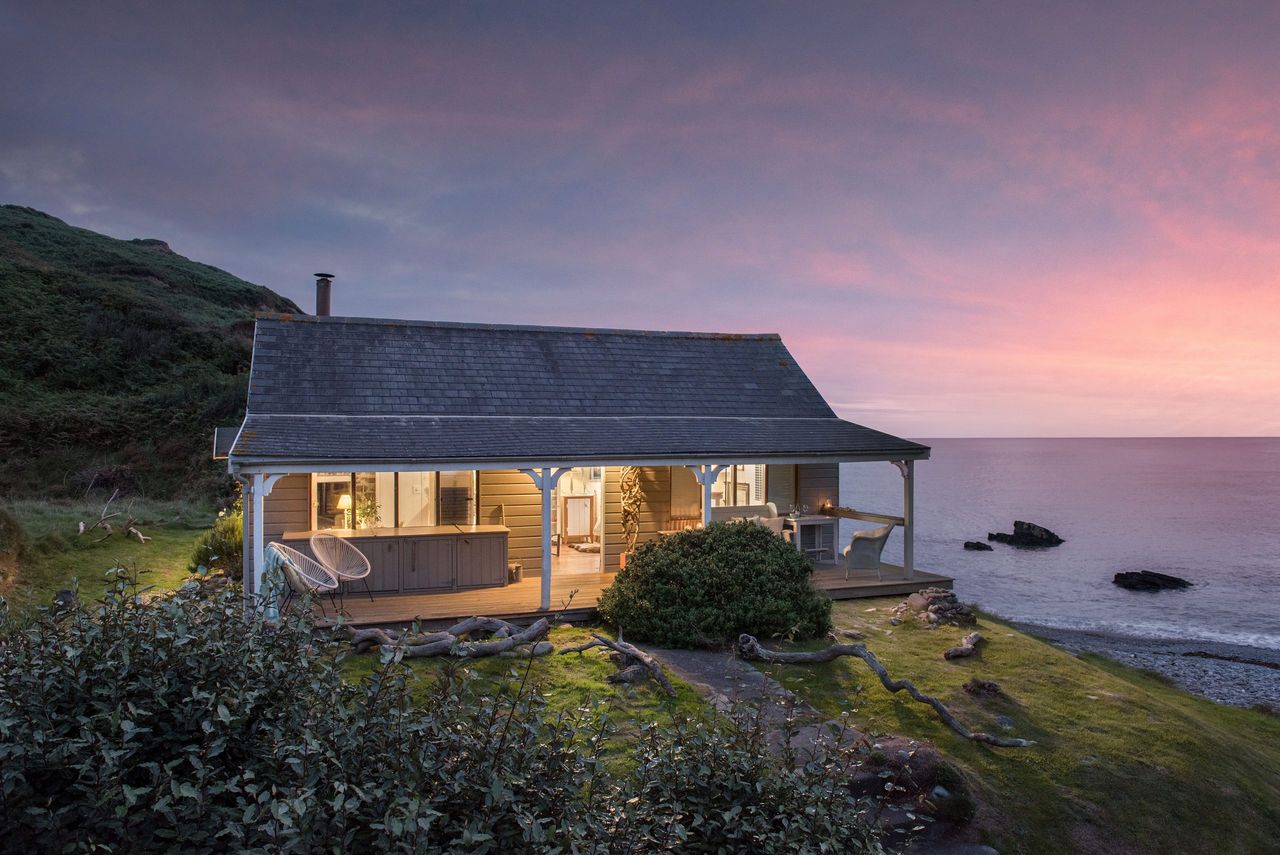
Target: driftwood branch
{"x": 632, "y": 500}
{"x": 967, "y": 646}
{"x": 749, "y": 648}
{"x": 130, "y": 528}
{"x": 633, "y": 663}
{"x": 504, "y": 639}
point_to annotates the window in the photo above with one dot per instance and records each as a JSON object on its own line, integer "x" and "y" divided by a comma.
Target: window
{"x": 457, "y": 497}
{"x": 417, "y": 498}
{"x": 739, "y": 485}
{"x": 374, "y": 502}
{"x": 333, "y": 499}
{"x": 393, "y": 499}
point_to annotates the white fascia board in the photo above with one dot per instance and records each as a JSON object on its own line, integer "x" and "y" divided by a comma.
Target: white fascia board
{"x": 364, "y": 465}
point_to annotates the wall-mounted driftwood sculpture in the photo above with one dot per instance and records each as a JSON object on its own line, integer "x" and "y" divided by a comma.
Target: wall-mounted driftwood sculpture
{"x": 632, "y": 501}
{"x": 749, "y": 648}
{"x": 472, "y": 638}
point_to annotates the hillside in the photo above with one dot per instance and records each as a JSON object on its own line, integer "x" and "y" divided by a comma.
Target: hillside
{"x": 118, "y": 359}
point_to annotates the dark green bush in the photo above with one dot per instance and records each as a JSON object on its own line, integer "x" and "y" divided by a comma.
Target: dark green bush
{"x": 708, "y": 586}
{"x": 173, "y": 724}
{"x": 220, "y": 549}
{"x": 14, "y": 547}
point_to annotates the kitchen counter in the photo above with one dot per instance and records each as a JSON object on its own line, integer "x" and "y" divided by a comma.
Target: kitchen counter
{"x": 423, "y": 559}
{"x": 403, "y": 531}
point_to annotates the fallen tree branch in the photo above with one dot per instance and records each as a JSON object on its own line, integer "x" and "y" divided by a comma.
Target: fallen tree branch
{"x": 967, "y": 647}
{"x": 504, "y": 639}
{"x": 749, "y": 648}
{"x": 129, "y": 529}
{"x": 633, "y": 663}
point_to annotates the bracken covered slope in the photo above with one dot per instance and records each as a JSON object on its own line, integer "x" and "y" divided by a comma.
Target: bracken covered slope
{"x": 117, "y": 359}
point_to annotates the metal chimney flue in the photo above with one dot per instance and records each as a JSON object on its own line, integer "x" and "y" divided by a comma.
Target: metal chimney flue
{"x": 324, "y": 290}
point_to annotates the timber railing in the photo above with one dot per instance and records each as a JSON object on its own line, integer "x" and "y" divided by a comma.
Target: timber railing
{"x": 865, "y": 516}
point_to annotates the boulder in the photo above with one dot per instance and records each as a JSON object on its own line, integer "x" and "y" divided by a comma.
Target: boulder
{"x": 1026, "y": 534}
{"x": 977, "y": 546}
{"x": 933, "y": 606}
{"x": 1148, "y": 580}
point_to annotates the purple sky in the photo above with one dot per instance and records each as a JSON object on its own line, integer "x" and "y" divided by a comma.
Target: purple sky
{"x": 965, "y": 219}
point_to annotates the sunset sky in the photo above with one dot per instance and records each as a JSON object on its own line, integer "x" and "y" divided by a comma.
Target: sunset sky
{"x": 966, "y": 219}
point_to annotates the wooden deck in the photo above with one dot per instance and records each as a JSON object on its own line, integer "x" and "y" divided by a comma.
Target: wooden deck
{"x": 519, "y": 601}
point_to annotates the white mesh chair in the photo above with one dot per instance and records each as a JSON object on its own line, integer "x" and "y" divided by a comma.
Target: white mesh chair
{"x": 303, "y": 574}
{"x": 341, "y": 559}
{"x": 863, "y": 551}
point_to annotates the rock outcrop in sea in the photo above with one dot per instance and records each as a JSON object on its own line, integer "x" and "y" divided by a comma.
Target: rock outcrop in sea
{"x": 1149, "y": 580}
{"x": 1026, "y": 534}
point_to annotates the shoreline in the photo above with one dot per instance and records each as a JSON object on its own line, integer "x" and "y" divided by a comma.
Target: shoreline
{"x": 1234, "y": 674}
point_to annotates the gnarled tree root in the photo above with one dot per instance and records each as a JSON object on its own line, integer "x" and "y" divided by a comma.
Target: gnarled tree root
{"x": 505, "y": 639}
{"x": 749, "y": 648}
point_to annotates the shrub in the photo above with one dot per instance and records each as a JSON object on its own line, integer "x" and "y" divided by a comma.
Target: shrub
{"x": 707, "y": 586}
{"x": 173, "y": 724}
{"x": 220, "y": 549}
{"x": 14, "y": 547}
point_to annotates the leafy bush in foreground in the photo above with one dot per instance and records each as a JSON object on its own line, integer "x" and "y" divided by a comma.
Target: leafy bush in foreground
{"x": 14, "y": 546}
{"x": 174, "y": 724}
{"x": 220, "y": 549}
{"x": 708, "y": 586}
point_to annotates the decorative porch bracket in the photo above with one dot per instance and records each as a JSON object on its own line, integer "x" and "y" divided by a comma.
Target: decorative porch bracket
{"x": 907, "y": 468}
{"x": 546, "y": 479}
{"x": 706, "y": 473}
{"x": 259, "y": 485}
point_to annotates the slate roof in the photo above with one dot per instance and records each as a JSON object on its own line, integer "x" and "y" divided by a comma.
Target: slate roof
{"x": 330, "y": 389}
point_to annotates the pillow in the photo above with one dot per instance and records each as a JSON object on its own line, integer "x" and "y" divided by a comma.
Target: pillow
{"x": 774, "y": 524}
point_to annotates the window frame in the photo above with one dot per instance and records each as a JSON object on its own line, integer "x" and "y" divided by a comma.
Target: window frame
{"x": 395, "y": 497}
{"x": 731, "y": 485}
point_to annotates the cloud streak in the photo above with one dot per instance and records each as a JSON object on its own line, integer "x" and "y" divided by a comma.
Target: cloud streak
{"x": 989, "y": 219}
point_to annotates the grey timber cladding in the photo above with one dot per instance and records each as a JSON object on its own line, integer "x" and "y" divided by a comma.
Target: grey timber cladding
{"x": 352, "y": 388}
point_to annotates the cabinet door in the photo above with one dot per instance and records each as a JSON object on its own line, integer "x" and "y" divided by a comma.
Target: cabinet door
{"x": 577, "y": 517}
{"x": 429, "y": 564}
{"x": 482, "y": 561}
{"x": 384, "y": 565}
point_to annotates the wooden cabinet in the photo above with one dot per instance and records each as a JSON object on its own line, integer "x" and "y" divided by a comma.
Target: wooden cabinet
{"x": 429, "y": 564}
{"x": 578, "y": 514}
{"x": 426, "y": 559}
{"x": 384, "y": 565}
{"x": 482, "y": 560}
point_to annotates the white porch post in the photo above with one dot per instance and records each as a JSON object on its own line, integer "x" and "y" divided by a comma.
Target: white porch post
{"x": 908, "y": 470}
{"x": 546, "y": 479}
{"x": 706, "y": 474}
{"x": 260, "y": 485}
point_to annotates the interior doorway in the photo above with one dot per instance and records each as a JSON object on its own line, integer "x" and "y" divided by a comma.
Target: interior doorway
{"x": 577, "y": 513}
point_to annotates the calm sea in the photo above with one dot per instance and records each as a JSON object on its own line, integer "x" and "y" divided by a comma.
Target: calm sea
{"x": 1207, "y": 510}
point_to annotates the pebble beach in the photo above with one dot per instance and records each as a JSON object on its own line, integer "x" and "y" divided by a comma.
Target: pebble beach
{"x": 1227, "y": 673}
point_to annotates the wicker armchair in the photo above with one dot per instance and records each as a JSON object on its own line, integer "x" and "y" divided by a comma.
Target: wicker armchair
{"x": 302, "y": 574}
{"x": 341, "y": 559}
{"x": 863, "y": 551}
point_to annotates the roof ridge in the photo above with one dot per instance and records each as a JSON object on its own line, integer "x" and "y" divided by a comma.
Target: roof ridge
{"x": 288, "y": 317}
{"x": 527, "y": 416}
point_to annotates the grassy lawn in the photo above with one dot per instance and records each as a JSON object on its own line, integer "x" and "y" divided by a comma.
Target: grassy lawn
{"x": 1125, "y": 761}
{"x": 567, "y": 681}
{"x": 55, "y": 554}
